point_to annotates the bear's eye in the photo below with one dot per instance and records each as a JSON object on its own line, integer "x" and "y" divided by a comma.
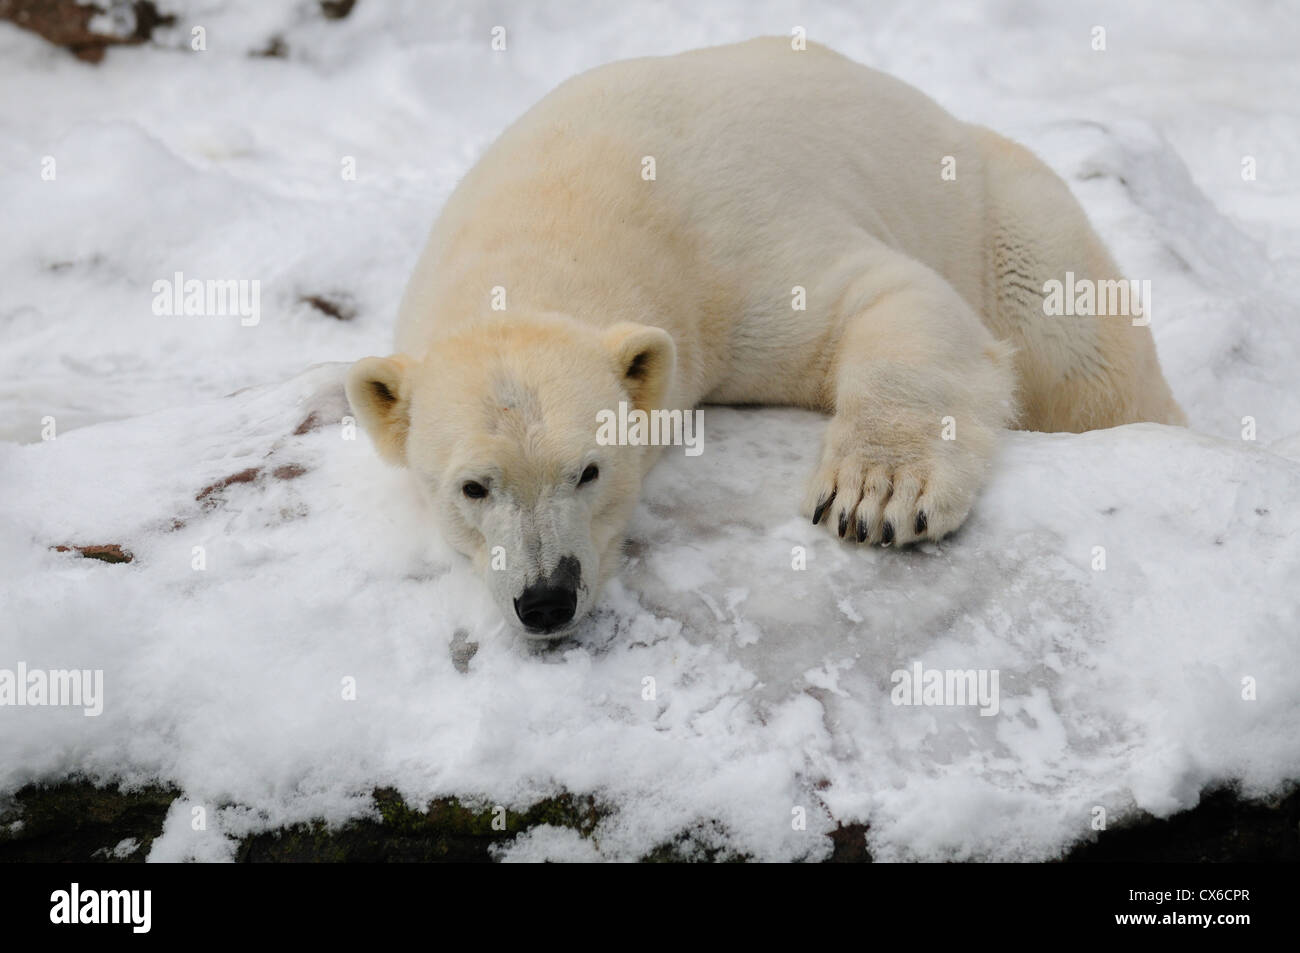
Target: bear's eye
{"x": 589, "y": 474}
{"x": 475, "y": 491}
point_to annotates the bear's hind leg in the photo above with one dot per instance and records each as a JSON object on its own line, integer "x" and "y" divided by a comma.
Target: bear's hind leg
{"x": 1076, "y": 371}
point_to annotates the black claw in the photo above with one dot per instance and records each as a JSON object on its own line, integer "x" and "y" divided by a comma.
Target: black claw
{"x": 921, "y": 523}
{"x": 887, "y": 534}
{"x": 862, "y": 532}
{"x": 821, "y": 507}
{"x": 844, "y": 524}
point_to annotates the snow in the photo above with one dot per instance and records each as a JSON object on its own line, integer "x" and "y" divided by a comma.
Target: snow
{"x": 120, "y": 851}
{"x": 718, "y": 690}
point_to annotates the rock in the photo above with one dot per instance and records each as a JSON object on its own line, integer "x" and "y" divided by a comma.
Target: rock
{"x": 76, "y": 821}
{"x": 109, "y": 552}
{"x": 79, "y": 27}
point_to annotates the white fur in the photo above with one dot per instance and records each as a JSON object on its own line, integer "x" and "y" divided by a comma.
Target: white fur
{"x": 774, "y": 168}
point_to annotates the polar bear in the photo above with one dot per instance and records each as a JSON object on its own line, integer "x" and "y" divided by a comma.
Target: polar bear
{"x": 746, "y": 224}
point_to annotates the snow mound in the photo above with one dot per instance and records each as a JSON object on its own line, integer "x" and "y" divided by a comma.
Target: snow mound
{"x": 772, "y": 692}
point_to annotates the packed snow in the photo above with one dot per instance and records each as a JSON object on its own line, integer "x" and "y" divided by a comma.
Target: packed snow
{"x": 1136, "y": 591}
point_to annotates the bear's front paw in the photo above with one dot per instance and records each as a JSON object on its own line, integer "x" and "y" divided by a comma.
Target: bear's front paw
{"x": 896, "y": 493}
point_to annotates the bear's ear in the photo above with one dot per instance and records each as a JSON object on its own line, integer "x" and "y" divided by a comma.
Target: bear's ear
{"x": 644, "y": 357}
{"x": 379, "y": 392}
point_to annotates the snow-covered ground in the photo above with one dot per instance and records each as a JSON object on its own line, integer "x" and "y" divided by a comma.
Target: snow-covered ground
{"x": 1131, "y": 687}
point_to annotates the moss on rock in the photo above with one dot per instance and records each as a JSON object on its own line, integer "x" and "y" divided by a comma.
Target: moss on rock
{"x": 77, "y": 821}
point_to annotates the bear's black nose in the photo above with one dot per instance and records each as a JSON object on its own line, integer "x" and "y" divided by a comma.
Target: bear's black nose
{"x": 544, "y": 608}
{"x": 550, "y": 602}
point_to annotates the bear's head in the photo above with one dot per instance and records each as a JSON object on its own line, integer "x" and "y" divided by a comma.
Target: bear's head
{"x": 499, "y": 425}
